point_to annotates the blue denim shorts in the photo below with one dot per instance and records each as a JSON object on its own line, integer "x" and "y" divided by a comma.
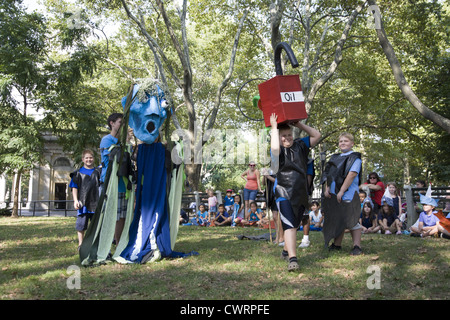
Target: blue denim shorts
{"x": 250, "y": 194}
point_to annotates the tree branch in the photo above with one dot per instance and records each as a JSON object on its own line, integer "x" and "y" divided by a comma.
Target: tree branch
{"x": 403, "y": 85}
{"x": 337, "y": 59}
{"x": 225, "y": 81}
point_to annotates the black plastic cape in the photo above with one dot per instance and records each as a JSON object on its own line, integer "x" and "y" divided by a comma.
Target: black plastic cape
{"x": 88, "y": 188}
{"x": 344, "y": 215}
{"x": 292, "y": 183}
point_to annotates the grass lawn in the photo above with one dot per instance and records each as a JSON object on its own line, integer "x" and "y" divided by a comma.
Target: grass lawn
{"x": 36, "y": 252}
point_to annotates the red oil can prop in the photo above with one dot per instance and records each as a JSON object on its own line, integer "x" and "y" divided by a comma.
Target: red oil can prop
{"x": 282, "y": 95}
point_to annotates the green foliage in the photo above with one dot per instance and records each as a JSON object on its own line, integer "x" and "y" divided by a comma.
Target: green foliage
{"x": 78, "y": 76}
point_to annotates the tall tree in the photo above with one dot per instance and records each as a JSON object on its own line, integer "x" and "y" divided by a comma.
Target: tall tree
{"x": 180, "y": 71}
{"x": 22, "y": 52}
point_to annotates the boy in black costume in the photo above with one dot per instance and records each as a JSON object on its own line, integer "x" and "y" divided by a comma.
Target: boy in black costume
{"x": 341, "y": 205}
{"x": 85, "y": 182}
{"x": 290, "y": 161}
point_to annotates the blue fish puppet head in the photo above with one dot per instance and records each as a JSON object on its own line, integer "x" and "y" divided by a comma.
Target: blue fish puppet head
{"x": 148, "y": 112}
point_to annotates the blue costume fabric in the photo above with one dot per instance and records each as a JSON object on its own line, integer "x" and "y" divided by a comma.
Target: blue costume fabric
{"x": 149, "y": 230}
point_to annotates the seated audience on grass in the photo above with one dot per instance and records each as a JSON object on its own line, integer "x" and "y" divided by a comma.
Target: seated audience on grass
{"x": 203, "y": 216}
{"x": 238, "y": 211}
{"x": 229, "y": 201}
{"x": 368, "y": 219}
{"x": 376, "y": 189}
{"x": 222, "y": 218}
{"x": 387, "y": 218}
{"x": 394, "y": 194}
{"x": 362, "y": 197}
{"x": 315, "y": 217}
{"x": 444, "y": 225}
{"x": 255, "y": 216}
{"x": 184, "y": 218}
{"x": 428, "y": 222}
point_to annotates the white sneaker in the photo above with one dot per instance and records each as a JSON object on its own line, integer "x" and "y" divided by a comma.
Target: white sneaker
{"x": 304, "y": 244}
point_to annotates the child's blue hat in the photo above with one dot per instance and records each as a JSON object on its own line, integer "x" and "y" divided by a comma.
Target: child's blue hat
{"x": 367, "y": 199}
{"x": 387, "y": 199}
{"x": 427, "y": 199}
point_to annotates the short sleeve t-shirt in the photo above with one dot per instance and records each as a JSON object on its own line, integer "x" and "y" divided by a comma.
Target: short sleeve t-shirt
{"x": 428, "y": 220}
{"x": 105, "y": 144}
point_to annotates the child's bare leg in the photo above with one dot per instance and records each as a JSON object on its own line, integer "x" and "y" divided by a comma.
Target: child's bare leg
{"x": 290, "y": 239}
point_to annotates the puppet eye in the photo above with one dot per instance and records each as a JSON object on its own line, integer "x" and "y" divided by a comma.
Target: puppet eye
{"x": 164, "y": 104}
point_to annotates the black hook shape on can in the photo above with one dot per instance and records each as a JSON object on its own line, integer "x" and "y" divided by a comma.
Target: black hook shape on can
{"x": 290, "y": 55}
{"x": 239, "y": 105}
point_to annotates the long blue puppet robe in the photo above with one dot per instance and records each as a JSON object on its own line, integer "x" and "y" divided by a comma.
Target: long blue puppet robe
{"x": 149, "y": 233}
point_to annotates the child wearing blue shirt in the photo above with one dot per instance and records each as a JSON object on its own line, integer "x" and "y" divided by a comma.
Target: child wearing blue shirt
{"x": 222, "y": 216}
{"x": 345, "y": 191}
{"x": 289, "y": 162}
{"x": 229, "y": 200}
{"x": 202, "y": 216}
{"x": 84, "y": 183}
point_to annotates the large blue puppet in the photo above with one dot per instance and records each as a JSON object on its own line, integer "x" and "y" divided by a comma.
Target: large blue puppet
{"x": 149, "y": 233}
{"x": 151, "y": 224}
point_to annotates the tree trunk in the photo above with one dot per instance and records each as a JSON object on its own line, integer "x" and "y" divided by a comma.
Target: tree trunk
{"x": 192, "y": 172}
{"x": 15, "y": 209}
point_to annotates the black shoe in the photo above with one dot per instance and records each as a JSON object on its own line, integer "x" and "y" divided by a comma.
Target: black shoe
{"x": 293, "y": 264}
{"x": 356, "y": 251}
{"x": 445, "y": 236}
{"x": 334, "y": 247}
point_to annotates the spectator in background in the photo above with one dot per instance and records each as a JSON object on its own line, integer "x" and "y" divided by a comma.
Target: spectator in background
{"x": 315, "y": 217}
{"x": 222, "y": 218}
{"x": 229, "y": 201}
{"x": 428, "y": 221}
{"x": 238, "y": 211}
{"x": 252, "y": 185}
{"x": 368, "y": 219}
{"x": 270, "y": 195}
{"x": 203, "y": 218}
{"x": 387, "y": 218}
{"x": 397, "y": 201}
{"x": 212, "y": 204}
{"x": 376, "y": 189}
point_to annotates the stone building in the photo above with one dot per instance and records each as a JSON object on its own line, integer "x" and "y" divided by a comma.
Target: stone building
{"x": 48, "y": 181}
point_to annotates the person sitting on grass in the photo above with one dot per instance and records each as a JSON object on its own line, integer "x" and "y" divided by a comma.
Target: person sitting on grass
{"x": 428, "y": 221}
{"x": 387, "y": 218}
{"x": 222, "y": 218}
{"x": 315, "y": 217}
{"x": 203, "y": 216}
{"x": 255, "y": 216}
{"x": 368, "y": 219}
